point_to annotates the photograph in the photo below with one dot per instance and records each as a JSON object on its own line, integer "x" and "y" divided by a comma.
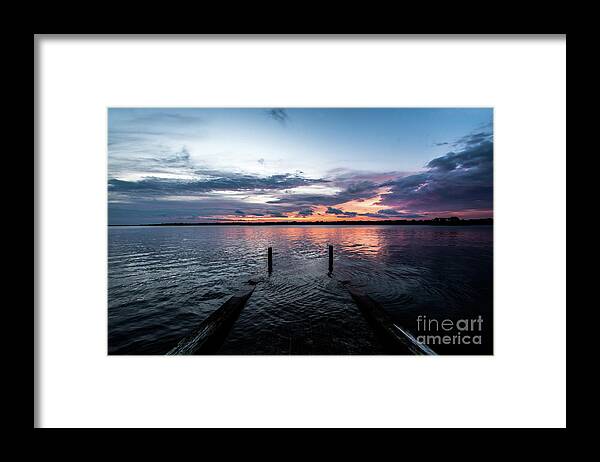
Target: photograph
{"x": 300, "y": 230}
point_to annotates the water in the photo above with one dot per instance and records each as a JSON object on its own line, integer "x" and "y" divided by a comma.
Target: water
{"x": 164, "y": 281}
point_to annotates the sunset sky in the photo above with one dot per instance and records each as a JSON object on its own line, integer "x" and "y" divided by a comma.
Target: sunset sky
{"x": 207, "y": 165}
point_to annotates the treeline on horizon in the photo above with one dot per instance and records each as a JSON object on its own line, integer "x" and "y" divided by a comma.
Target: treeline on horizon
{"x": 450, "y": 221}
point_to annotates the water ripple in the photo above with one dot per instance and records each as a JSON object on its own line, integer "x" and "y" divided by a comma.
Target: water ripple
{"x": 164, "y": 281}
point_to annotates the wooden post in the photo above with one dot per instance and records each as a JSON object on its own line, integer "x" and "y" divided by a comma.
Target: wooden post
{"x": 270, "y": 259}
{"x": 330, "y": 258}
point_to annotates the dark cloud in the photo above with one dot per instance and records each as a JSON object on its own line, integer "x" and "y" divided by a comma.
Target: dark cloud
{"x": 391, "y": 213}
{"x": 149, "y": 210}
{"x": 306, "y": 212}
{"x": 180, "y": 158}
{"x": 278, "y": 114}
{"x": 353, "y": 190}
{"x": 142, "y": 210}
{"x": 219, "y": 181}
{"x": 247, "y": 213}
{"x": 470, "y": 157}
{"x": 340, "y": 212}
{"x": 475, "y": 138}
{"x": 276, "y": 214}
{"x": 471, "y": 139}
{"x": 459, "y": 180}
{"x": 361, "y": 187}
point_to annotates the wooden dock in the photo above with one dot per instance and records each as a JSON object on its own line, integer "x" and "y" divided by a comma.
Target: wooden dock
{"x": 212, "y": 331}
{"x": 398, "y": 339}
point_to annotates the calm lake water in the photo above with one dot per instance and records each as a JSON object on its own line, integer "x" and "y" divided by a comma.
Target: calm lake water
{"x": 164, "y": 281}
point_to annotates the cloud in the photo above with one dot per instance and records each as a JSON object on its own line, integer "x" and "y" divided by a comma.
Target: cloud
{"x": 276, "y": 214}
{"x": 470, "y": 157}
{"x": 361, "y": 187}
{"x": 471, "y": 139}
{"x": 215, "y": 181}
{"x": 140, "y": 210}
{"x": 306, "y": 212}
{"x": 383, "y": 214}
{"x": 180, "y": 158}
{"x": 340, "y": 212}
{"x": 475, "y": 138}
{"x": 165, "y": 184}
{"x": 139, "y": 133}
{"x": 458, "y": 180}
{"x": 278, "y": 114}
{"x": 141, "y": 159}
{"x": 391, "y": 213}
{"x": 163, "y": 118}
{"x": 358, "y": 188}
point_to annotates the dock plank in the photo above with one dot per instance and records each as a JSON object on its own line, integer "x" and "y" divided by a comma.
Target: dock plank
{"x": 212, "y": 331}
{"x": 398, "y": 339}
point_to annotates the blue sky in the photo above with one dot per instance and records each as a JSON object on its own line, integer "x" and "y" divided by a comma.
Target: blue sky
{"x": 175, "y": 165}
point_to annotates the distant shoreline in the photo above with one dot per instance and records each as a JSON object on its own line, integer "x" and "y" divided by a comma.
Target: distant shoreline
{"x": 435, "y": 222}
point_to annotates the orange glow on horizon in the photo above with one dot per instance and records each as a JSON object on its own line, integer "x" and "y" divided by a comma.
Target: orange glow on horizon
{"x": 362, "y": 206}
